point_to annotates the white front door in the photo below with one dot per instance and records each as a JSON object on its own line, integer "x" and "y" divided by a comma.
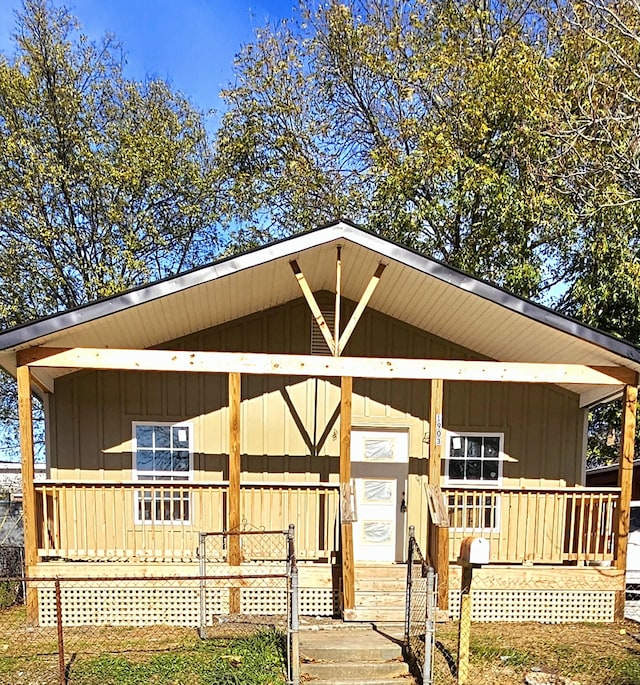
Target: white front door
{"x": 379, "y": 464}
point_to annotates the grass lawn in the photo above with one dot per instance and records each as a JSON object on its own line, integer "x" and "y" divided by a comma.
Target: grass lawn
{"x": 158, "y": 655}
{"x": 591, "y": 654}
{"x": 246, "y": 654}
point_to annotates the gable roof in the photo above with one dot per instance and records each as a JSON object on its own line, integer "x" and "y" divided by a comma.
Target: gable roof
{"x": 416, "y": 289}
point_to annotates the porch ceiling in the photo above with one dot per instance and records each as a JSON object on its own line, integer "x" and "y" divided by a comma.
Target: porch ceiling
{"x": 414, "y": 289}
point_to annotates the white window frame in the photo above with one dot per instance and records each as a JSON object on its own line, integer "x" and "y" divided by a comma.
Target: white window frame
{"x": 474, "y": 434}
{"x": 477, "y": 509}
{"x": 160, "y": 478}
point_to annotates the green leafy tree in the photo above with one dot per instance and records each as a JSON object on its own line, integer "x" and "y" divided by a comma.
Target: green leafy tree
{"x": 598, "y": 167}
{"x": 105, "y": 182}
{"x": 424, "y": 120}
{"x": 598, "y": 170}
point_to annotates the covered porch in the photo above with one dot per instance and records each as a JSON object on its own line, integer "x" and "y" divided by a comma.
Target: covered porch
{"x": 133, "y": 521}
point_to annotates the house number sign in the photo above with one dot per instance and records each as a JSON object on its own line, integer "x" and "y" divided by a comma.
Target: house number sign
{"x": 438, "y": 429}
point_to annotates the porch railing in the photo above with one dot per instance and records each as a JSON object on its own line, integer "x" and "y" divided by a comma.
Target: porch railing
{"x": 536, "y": 525}
{"x": 161, "y": 521}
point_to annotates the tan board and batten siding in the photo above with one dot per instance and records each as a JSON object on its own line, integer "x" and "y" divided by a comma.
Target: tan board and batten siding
{"x": 283, "y": 417}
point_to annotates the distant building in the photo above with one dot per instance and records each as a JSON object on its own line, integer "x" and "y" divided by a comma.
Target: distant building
{"x": 11, "y": 476}
{"x": 607, "y": 476}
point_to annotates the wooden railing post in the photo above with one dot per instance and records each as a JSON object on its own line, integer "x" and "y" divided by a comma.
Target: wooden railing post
{"x": 29, "y": 509}
{"x": 235, "y": 557}
{"x": 348, "y": 571}
{"x": 438, "y": 535}
{"x": 625, "y": 477}
{"x": 234, "y": 467}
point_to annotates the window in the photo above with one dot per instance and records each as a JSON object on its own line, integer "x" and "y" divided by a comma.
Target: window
{"x": 163, "y": 452}
{"x": 474, "y": 459}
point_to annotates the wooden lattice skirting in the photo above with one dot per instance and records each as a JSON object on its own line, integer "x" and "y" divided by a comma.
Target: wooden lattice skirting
{"x": 541, "y": 606}
{"x": 178, "y": 606}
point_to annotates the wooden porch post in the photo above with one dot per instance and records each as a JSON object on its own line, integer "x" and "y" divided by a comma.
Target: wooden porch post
{"x": 29, "y": 511}
{"x": 438, "y": 535}
{"x": 625, "y": 478}
{"x": 346, "y": 530}
{"x": 234, "y": 468}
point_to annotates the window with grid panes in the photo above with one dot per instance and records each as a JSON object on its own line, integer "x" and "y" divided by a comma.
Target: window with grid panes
{"x": 474, "y": 459}
{"x": 163, "y": 452}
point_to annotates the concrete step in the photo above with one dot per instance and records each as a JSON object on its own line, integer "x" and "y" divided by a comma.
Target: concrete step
{"x": 367, "y": 671}
{"x": 350, "y": 644}
{"x": 359, "y": 655}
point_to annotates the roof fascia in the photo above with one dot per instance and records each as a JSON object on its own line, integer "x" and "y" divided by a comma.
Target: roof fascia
{"x": 20, "y": 336}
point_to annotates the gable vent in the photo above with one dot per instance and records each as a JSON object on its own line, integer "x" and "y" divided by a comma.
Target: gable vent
{"x": 326, "y": 302}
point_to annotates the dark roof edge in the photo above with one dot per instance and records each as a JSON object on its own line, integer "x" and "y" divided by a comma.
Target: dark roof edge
{"x": 291, "y": 245}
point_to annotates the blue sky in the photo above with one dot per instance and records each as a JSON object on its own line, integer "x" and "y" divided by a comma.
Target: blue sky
{"x": 189, "y": 43}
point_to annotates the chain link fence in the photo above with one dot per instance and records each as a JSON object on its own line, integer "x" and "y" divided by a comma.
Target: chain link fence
{"x": 11, "y": 568}
{"x": 253, "y": 545}
{"x": 226, "y": 626}
{"x": 420, "y": 619}
{"x": 11, "y": 519}
{"x": 11, "y": 550}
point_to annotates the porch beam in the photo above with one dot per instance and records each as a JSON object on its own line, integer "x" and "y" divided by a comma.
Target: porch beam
{"x": 360, "y": 307}
{"x": 346, "y": 530}
{"x": 328, "y": 367}
{"x": 624, "y": 375}
{"x": 625, "y": 478}
{"x": 438, "y": 535}
{"x": 234, "y": 467}
{"x": 25, "y": 416}
{"x": 313, "y": 305}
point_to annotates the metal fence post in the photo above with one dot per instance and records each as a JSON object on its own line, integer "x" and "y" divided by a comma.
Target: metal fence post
{"x": 420, "y": 622}
{"x": 202, "y": 554}
{"x": 295, "y": 627}
{"x": 62, "y": 670}
{"x": 293, "y": 618}
{"x": 429, "y": 627}
{"x": 407, "y": 606}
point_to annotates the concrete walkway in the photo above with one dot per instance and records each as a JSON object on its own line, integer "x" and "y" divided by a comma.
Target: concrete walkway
{"x": 353, "y": 654}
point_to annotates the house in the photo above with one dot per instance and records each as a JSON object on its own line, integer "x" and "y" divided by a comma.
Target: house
{"x": 348, "y": 385}
{"x": 11, "y": 475}
{"x": 607, "y": 476}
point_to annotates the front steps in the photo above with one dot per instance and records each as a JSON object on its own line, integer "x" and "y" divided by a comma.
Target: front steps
{"x": 380, "y": 593}
{"x": 353, "y": 655}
